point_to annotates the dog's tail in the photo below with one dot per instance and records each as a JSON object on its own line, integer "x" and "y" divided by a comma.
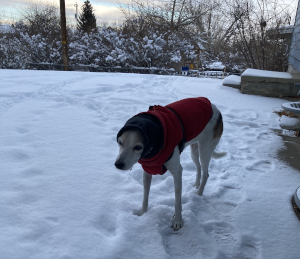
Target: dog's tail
{"x": 217, "y": 155}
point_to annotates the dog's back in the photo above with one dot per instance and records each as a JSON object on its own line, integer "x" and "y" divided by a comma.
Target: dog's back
{"x": 194, "y": 113}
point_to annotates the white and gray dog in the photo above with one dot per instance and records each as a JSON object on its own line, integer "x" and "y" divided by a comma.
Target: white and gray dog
{"x": 156, "y": 138}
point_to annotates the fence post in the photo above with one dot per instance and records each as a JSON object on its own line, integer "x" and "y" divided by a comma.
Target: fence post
{"x": 64, "y": 35}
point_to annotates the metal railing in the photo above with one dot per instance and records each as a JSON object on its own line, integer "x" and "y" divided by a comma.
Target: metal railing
{"x": 88, "y": 68}
{"x": 136, "y": 70}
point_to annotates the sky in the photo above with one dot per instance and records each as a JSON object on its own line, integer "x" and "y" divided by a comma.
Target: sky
{"x": 106, "y": 11}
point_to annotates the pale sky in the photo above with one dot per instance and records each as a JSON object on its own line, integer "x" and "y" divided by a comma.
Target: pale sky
{"x": 104, "y": 10}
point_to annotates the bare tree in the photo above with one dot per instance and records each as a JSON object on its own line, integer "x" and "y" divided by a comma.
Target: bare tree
{"x": 255, "y": 30}
{"x": 41, "y": 18}
{"x": 172, "y": 14}
{"x": 186, "y": 18}
{"x": 38, "y": 32}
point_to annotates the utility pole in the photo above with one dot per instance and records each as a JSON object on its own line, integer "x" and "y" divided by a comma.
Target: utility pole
{"x": 76, "y": 5}
{"x": 64, "y": 34}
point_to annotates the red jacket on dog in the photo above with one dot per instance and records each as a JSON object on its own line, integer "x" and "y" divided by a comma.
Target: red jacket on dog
{"x": 194, "y": 114}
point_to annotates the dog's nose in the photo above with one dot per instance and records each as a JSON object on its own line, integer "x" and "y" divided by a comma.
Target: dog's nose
{"x": 119, "y": 165}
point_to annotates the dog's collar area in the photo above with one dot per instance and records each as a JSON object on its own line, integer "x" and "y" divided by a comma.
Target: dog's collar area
{"x": 146, "y": 153}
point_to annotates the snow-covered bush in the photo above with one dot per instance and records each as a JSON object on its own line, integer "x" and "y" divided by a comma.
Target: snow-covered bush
{"x": 111, "y": 47}
{"x": 137, "y": 44}
{"x": 101, "y": 47}
{"x": 149, "y": 44}
{"x": 43, "y": 47}
{"x": 11, "y": 56}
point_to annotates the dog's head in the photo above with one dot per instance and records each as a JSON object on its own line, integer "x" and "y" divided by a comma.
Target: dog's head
{"x": 131, "y": 144}
{"x": 140, "y": 138}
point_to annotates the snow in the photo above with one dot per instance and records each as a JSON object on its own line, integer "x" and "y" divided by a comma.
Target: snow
{"x": 6, "y": 28}
{"x": 288, "y": 121}
{"x": 232, "y": 80}
{"x": 216, "y": 65}
{"x": 62, "y": 197}
{"x": 265, "y": 73}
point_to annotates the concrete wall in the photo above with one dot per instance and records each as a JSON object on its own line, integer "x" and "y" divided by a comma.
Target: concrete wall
{"x": 273, "y": 87}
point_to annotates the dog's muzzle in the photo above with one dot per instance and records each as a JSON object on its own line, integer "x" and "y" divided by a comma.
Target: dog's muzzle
{"x": 119, "y": 165}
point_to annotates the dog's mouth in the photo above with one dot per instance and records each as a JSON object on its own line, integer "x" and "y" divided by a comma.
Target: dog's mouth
{"x": 121, "y": 166}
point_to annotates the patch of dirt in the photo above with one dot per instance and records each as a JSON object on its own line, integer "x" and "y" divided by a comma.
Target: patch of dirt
{"x": 286, "y": 113}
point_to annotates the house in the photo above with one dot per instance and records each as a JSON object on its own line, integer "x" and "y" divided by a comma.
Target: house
{"x": 294, "y": 56}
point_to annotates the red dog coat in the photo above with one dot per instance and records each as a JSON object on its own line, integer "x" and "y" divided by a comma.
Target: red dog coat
{"x": 194, "y": 114}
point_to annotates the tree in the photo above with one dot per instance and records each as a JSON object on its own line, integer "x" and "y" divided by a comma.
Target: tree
{"x": 87, "y": 20}
{"x": 172, "y": 14}
{"x": 37, "y": 35}
{"x": 148, "y": 44}
{"x": 257, "y": 32}
{"x": 170, "y": 19}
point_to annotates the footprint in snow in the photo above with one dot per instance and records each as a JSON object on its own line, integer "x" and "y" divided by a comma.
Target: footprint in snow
{"x": 224, "y": 235}
{"x": 22, "y": 130}
{"x": 265, "y": 136}
{"x": 248, "y": 150}
{"x": 261, "y": 166}
{"x": 245, "y": 123}
{"x": 31, "y": 172}
{"x": 38, "y": 112}
{"x": 241, "y": 114}
{"x": 249, "y": 248}
{"x": 18, "y": 155}
{"x": 38, "y": 231}
{"x": 226, "y": 198}
{"x": 105, "y": 223}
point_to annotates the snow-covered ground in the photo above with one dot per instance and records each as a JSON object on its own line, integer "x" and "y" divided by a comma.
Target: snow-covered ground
{"x": 264, "y": 73}
{"x": 232, "y": 80}
{"x": 62, "y": 197}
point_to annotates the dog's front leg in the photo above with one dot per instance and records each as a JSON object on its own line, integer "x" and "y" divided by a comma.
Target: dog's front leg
{"x": 177, "y": 175}
{"x": 174, "y": 166}
{"x": 147, "y": 182}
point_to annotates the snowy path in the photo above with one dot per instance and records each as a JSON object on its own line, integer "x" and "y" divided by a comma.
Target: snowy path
{"x": 61, "y": 196}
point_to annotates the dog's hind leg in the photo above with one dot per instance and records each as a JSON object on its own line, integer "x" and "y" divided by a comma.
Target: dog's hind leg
{"x": 174, "y": 166}
{"x": 206, "y": 151}
{"x": 195, "y": 158}
{"x": 205, "y": 158}
{"x": 147, "y": 182}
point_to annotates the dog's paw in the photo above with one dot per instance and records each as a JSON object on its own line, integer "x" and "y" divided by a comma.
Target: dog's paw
{"x": 200, "y": 191}
{"x": 196, "y": 185}
{"x": 143, "y": 211}
{"x": 177, "y": 224}
{"x": 139, "y": 212}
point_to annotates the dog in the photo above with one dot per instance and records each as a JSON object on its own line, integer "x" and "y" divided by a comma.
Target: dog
{"x": 156, "y": 138}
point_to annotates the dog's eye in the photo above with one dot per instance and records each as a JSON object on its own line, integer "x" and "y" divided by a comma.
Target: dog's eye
{"x": 137, "y": 148}
{"x": 120, "y": 143}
